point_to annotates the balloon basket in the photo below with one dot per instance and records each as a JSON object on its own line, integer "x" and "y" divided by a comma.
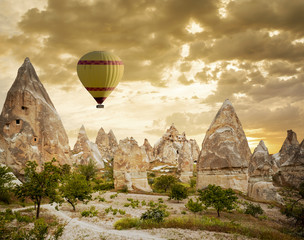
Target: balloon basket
{"x": 99, "y": 106}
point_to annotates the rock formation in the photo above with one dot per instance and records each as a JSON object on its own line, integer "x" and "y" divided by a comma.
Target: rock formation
{"x": 195, "y": 150}
{"x": 185, "y": 162}
{"x": 84, "y": 150}
{"x": 261, "y": 169}
{"x": 149, "y": 150}
{"x": 225, "y": 153}
{"x": 130, "y": 166}
{"x": 288, "y": 149}
{"x": 291, "y": 157}
{"x": 107, "y": 144}
{"x": 174, "y": 150}
{"x": 30, "y": 127}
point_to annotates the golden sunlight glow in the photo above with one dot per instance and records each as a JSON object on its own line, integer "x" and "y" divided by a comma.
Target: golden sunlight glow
{"x": 194, "y": 28}
{"x": 185, "y": 50}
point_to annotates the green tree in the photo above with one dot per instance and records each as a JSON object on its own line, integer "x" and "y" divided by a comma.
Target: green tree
{"x": 218, "y": 198}
{"x": 39, "y": 185}
{"x": 195, "y": 207}
{"x": 164, "y": 182}
{"x": 88, "y": 170}
{"x": 108, "y": 171}
{"x": 74, "y": 187}
{"x": 178, "y": 192}
{"x": 6, "y": 184}
{"x": 294, "y": 207}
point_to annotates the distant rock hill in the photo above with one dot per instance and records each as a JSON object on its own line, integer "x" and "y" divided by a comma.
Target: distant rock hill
{"x": 30, "y": 127}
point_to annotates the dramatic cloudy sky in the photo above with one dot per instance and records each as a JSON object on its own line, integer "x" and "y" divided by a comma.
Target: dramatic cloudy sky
{"x": 182, "y": 59}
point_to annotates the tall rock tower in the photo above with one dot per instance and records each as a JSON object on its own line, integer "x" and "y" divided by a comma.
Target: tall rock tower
{"x": 30, "y": 127}
{"x": 225, "y": 153}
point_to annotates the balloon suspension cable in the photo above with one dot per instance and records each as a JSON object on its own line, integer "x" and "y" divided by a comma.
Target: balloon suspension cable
{"x": 99, "y": 106}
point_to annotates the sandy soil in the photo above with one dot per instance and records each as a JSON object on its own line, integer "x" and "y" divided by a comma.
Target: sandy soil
{"x": 101, "y": 226}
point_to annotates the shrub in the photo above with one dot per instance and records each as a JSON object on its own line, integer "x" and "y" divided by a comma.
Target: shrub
{"x": 104, "y": 186}
{"x": 124, "y": 189}
{"x": 152, "y": 203}
{"x": 164, "y": 182}
{"x": 40, "y": 229}
{"x": 88, "y": 170}
{"x": 143, "y": 203}
{"x": 253, "y": 209}
{"x": 92, "y": 212}
{"x": 294, "y": 207}
{"x": 178, "y": 192}
{"x": 126, "y": 223}
{"x": 113, "y": 196}
{"x": 192, "y": 183}
{"x": 194, "y": 207}
{"x": 154, "y": 214}
{"x": 218, "y": 198}
{"x": 121, "y": 212}
{"x": 6, "y": 184}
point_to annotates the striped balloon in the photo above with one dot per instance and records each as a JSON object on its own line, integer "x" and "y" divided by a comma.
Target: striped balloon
{"x": 100, "y": 72}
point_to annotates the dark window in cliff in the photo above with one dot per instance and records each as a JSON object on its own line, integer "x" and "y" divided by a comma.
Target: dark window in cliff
{"x": 177, "y": 151}
{"x": 23, "y": 108}
{"x": 35, "y": 139}
{"x": 17, "y": 121}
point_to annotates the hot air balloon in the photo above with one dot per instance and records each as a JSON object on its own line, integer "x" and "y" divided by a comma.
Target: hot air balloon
{"x": 100, "y": 72}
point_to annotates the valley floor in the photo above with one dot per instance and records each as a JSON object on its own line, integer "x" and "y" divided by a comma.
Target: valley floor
{"x": 101, "y": 226}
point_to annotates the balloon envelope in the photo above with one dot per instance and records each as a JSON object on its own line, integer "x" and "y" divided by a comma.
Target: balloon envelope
{"x": 100, "y": 72}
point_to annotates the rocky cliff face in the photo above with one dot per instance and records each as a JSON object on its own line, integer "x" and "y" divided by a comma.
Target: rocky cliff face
{"x": 291, "y": 158}
{"x": 174, "y": 149}
{"x": 261, "y": 169}
{"x": 130, "y": 166}
{"x": 107, "y": 144}
{"x": 288, "y": 149}
{"x": 225, "y": 153}
{"x": 84, "y": 150}
{"x": 30, "y": 127}
{"x": 149, "y": 150}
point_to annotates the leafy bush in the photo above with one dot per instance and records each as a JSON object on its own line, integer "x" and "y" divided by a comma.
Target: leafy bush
{"x": 23, "y": 218}
{"x": 6, "y": 184}
{"x": 113, "y": 196}
{"x": 218, "y": 198}
{"x": 92, "y": 212}
{"x": 126, "y": 223}
{"x": 88, "y": 170}
{"x": 143, "y": 203}
{"x": 151, "y": 203}
{"x": 121, "y": 212}
{"x": 178, "y": 192}
{"x": 154, "y": 214}
{"x": 253, "y": 209}
{"x": 294, "y": 207}
{"x": 104, "y": 186}
{"x": 124, "y": 189}
{"x": 160, "y": 200}
{"x": 164, "y": 182}
{"x": 192, "y": 183}
{"x": 194, "y": 207}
